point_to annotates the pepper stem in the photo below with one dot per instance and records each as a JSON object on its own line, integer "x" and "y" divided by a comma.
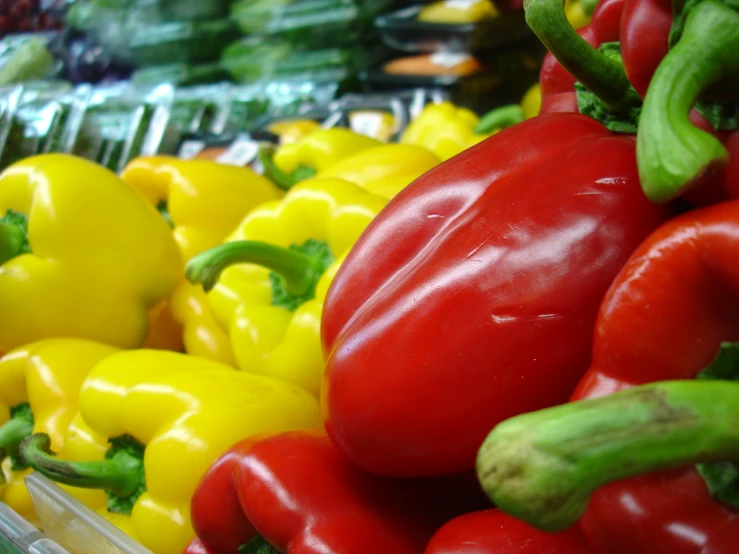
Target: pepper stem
{"x": 500, "y": 118}
{"x": 543, "y": 466}
{"x": 671, "y": 152}
{"x": 604, "y": 76}
{"x": 17, "y": 428}
{"x": 13, "y": 236}
{"x": 122, "y": 474}
{"x": 300, "y": 272}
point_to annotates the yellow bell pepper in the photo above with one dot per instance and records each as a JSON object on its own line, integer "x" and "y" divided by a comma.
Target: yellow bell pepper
{"x": 531, "y": 102}
{"x": 384, "y": 170}
{"x": 466, "y": 12}
{"x": 444, "y": 129}
{"x": 81, "y": 254}
{"x": 292, "y": 130}
{"x": 168, "y": 417}
{"x": 202, "y": 335}
{"x": 39, "y": 388}
{"x": 319, "y": 150}
{"x": 288, "y": 252}
{"x": 204, "y": 200}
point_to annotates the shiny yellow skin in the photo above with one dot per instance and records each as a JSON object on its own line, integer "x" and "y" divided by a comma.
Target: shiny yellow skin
{"x": 292, "y": 130}
{"x": 444, "y": 129}
{"x": 384, "y": 170}
{"x": 471, "y": 12}
{"x": 271, "y": 340}
{"x": 48, "y": 375}
{"x": 205, "y": 199}
{"x": 201, "y": 334}
{"x": 321, "y": 149}
{"x": 101, "y": 255}
{"x": 531, "y": 102}
{"x": 187, "y": 411}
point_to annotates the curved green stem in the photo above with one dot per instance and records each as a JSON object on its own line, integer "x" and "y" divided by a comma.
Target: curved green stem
{"x": 500, "y": 118}
{"x": 17, "y": 428}
{"x": 602, "y": 75}
{"x": 543, "y": 466}
{"x": 300, "y": 272}
{"x": 122, "y": 473}
{"x": 671, "y": 152}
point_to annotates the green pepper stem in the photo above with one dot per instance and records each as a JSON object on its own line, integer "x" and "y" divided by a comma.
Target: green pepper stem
{"x": 17, "y": 428}
{"x": 121, "y": 474}
{"x": 603, "y": 76}
{"x": 12, "y": 241}
{"x": 500, "y": 118}
{"x": 300, "y": 272}
{"x": 543, "y": 466}
{"x": 671, "y": 152}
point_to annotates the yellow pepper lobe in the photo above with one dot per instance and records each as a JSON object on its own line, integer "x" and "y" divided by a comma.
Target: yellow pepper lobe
{"x": 203, "y": 201}
{"x": 100, "y": 255}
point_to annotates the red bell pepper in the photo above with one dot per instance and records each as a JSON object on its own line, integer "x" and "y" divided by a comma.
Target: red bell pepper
{"x": 296, "y": 492}
{"x": 494, "y": 532}
{"x": 487, "y": 273}
{"x": 664, "y": 318}
{"x": 644, "y": 36}
{"x": 677, "y": 151}
{"x": 557, "y": 84}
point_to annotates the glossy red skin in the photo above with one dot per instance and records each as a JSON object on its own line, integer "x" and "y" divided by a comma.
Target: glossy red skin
{"x": 303, "y": 497}
{"x": 645, "y": 31}
{"x": 486, "y": 276}
{"x": 604, "y": 27}
{"x": 494, "y": 532}
{"x": 664, "y": 318}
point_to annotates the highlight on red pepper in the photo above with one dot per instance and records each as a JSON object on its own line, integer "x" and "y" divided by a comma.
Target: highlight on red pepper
{"x": 665, "y": 318}
{"x": 495, "y": 532}
{"x": 674, "y": 154}
{"x": 294, "y": 492}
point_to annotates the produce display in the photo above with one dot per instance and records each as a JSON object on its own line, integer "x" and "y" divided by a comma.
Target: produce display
{"x": 347, "y": 277}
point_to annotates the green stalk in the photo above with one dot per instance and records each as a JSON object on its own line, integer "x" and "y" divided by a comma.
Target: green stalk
{"x": 122, "y": 473}
{"x": 603, "y": 76}
{"x": 500, "y": 118}
{"x": 671, "y": 152}
{"x": 301, "y": 272}
{"x": 542, "y": 467}
{"x": 13, "y": 236}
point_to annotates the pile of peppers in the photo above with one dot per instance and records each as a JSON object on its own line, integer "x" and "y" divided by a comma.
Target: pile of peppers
{"x": 507, "y": 334}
